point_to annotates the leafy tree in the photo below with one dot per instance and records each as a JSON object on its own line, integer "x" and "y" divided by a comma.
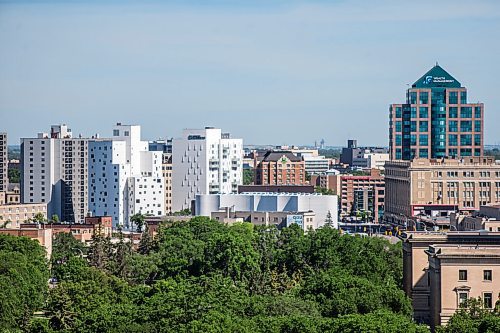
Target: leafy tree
{"x": 14, "y": 175}
{"x": 324, "y": 191}
{"x": 380, "y": 321}
{"x": 247, "y": 176}
{"x": 54, "y": 219}
{"x": 138, "y": 220}
{"x": 184, "y": 212}
{"x": 202, "y": 275}
{"x": 64, "y": 247}
{"x": 23, "y": 280}
{"x": 329, "y": 220}
{"x": 146, "y": 244}
{"x": 474, "y": 318}
{"x": 100, "y": 252}
{"x": 39, "y": 218}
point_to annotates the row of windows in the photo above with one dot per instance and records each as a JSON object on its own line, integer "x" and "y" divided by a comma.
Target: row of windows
{"x": 452, "y": 152}
{"x": 453, "y": 112}
{"x": 453, "y": 125}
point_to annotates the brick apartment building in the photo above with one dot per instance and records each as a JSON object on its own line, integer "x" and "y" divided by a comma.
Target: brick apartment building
{"x": 356, "y": 193}
{"x": 279, "y": 168}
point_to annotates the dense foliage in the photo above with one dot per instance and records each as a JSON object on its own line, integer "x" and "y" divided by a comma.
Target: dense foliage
{"x": 203, "y": 276}
{"x": 23, "y": 280}
{"x": 473, "y": 318}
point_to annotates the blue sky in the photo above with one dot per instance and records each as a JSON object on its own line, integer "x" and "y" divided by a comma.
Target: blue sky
{"x": 278, "y": 72}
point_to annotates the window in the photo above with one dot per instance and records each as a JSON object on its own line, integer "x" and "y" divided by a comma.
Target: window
{"x": 487, "y": 275}
{"x": 466, "y": 139}
{"x": 466, "y": 126}
{"x": 477, "y": 125}
{"x": 463, "y": 97}
{"x": 488, "y": 300}
{"x": 413, "y": 112}
{"x": 452, "y": 139}
{"x": 477, "y": 112}
{"x": 462, "y": 298}
{"x": 423, "y": 126}
{"x": 424, "y": 97}
{"x": 116, "y": 132}
{"x": 453, "y": 112}
{"x": 424, "y": 112}
{"x": 462, "y": 275}
{"x": 453, "y": 126}
{"x": 398, "y": 139}
{"x": 453, "y": 97}
{"x": 413, "y": 126}
{"x": 398, "y": 126}
{"x": 413, "y": 97}
{"x": 466, "y": 112}
{"x": 423, "y": 139}
{"x": 398, "y": 112}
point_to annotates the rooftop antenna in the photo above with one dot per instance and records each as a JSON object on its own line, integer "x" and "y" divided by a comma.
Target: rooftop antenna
{"x": 437, "y": 63}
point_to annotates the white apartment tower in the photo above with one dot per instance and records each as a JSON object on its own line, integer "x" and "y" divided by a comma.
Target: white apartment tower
{"x": 54, "y": 171}
{"x": 204, "y": 161}
{"x": 124, "y": 177}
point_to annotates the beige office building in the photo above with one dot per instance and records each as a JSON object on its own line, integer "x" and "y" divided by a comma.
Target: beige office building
{"x": 457, "y": 273}
{"x": 12, "y": 215}
{"x": 487, "y": 218}
{"x": 441, "y": 270}
{"x": 437, "y": 187}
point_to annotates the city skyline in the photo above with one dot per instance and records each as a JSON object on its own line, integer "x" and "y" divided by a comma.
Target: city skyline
{"x": 270, "y": 72}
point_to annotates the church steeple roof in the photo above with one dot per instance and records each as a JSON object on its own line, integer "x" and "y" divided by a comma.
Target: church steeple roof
{"x": 437, "y": 77}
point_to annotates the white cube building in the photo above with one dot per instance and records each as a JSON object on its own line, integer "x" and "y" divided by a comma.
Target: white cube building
{"x": 321, "y": 205}
{"x": 204, "y": 161}
{"x": 124, "y": 177}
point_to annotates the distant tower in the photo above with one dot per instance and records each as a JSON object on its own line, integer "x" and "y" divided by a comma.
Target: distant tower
{"x": 436, "y": 121}
{"x": 322, "y": 144}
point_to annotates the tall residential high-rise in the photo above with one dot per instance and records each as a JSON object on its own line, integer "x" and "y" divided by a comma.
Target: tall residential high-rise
{"x": 3, "y": 162}
{"x": 124, "y": 177}
{"x": 436, "y": 121}
{"x": 165, "y": 146}
{"x": 54, "y": 171}
{"x": 205, "y": 161}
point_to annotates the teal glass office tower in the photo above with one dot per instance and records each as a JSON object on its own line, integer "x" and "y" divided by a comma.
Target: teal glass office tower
{"x": 436, "y": 121}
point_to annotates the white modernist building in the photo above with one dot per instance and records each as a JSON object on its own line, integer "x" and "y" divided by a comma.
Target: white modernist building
{"x": 376, "y": 160}
{"x": 55, "y": 171}
{"x": 125, "y": 178}
{"x": 316, "y": 164}
{"x": 204, "y": 161}
{"x": 321, "y": 205}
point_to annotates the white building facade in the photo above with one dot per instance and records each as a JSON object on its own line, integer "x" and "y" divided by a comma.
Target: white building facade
{"x": 204, "y": 161}
{"x": 124, "y": 177}
{"x": 54, "y": 171}
{"x": 321, "y": 205}
{"x": 316, "y": 164}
